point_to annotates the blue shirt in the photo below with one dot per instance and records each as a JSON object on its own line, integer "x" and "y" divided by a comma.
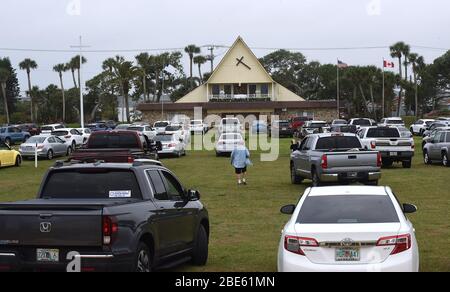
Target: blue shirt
{"x": 239, "y": 157}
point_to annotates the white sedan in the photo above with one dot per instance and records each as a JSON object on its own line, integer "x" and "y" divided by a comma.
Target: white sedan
{"x": 172, "y": 144}
{"x": 228, "y": 142}
{"x": 86, "y": 133}
{"x": 71, "y": 136}
{"x": 348, "y": 229}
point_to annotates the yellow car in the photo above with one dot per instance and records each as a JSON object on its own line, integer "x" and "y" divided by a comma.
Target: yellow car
{"x": 9, "y": 156}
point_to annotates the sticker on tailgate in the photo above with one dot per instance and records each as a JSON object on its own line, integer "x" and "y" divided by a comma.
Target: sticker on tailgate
{"x": 119, "y": 194}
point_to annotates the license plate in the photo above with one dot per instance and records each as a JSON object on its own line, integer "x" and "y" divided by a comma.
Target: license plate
{"x": 352, "y": 174}
{"x": 47, "y": 255}
{"x": 348, "y": 255}
{"x": 284, "y": 129}
{"x": 394, "y": 153}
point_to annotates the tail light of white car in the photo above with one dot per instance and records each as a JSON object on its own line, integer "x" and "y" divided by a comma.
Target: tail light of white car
{"x": 294, "y": 244}
{"x": 401, "y": 242}
{"x": 324, "y": 162}
{"x": 173, "y": 145}
{"x": 39, "y": 147}
{"x": 109, "y": 229}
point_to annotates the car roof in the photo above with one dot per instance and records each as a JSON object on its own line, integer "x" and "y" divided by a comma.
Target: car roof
{"x": 348, "y": 191}
{"x": 120, "y": 166}
{"x": 325, "y": 135}
{"x": 51, "y": 125}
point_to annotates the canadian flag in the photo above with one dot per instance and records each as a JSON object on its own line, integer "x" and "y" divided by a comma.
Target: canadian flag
{"x": 388, "y": 64}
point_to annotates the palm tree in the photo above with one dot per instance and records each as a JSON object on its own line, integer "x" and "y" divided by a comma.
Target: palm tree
{"x": 75, "y": 65}
{"x": 416, "y": 62}
{"x": 200, "y": 60}
{"x": 406, "y": 50}
{"x": 60, "y": 68}
{"x": 397, "y": 51}
{"x": 191, "y": 50}
{"x": 143, "y": 61}
{"x": 29, "y": 65}
{"x": 4, "y": 76}
{"x": 125, "y": 72}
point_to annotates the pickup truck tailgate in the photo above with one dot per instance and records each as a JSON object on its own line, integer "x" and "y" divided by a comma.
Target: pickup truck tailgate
{"x": 50, "y": 225}
{"x": 352, "y": 159}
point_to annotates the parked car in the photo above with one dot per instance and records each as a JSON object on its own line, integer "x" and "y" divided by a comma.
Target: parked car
{"x": 435, "y": 126}
{"x": 438, "y": 149}
{"x": 443, "y": 119}
{"x": 116, "y": 146}
{"x": 116, "y": 217}
{"x": 33, "y": 129}
{"x": 48, "y": 129}
{"x": 404, "y": 132}
{"x": 230, "y": 125}
{"x": 419, "y": 127}
{"x": 97, "y": 127}
{"x": 227, "y": 143}
{"x": 361, "y": 123}
{"x": 348, "y": 229}
{"x": 313, "y": 127}
{"x": 110, "y": 124}
{"x": 86, "y": 133}
{"x": 338, "y": 158}
{"x": 180, "y": 131}
{"x": 259, "y": 127}
{"x": 298, "y": 122}
{"x": 339, "y": 123}
{"x": 344, "y": 129}
{"x": 146, "y": 130}
{"x": 160, "y": 126}
{"x": 72, "y": 137}
{"x": 47, "y": 147}
{"x": 12, "y": 135}
{"x": 391, "y": 122}
{"x": 388, "y": 141}
{"x": 172, "y": 144}
{"x": 198, "y": 127}
{"x": 9, "y": 156}
{"x": 428, "y": 139}
{"x": 123, "y": 127}
{"x": 283, "y": 128}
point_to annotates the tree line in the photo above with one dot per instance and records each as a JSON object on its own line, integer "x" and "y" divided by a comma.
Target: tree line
{"x": 149, "y": 78}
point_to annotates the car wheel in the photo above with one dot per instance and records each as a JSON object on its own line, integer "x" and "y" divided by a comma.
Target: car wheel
{"x": 50, "y": 154}
{"x": 387, "y": 163}
{"x": 315, "y": 179}
{"x": 295, "y": 179}
{"x": 200, "y": 252}
{"x": 445, "y": 161}
{"x": 18, "y": 161}
{"x": 407, "y": 164}
{"x": 426, "y": 157}
{"x": 143, "y": 259}
{"x": 69, "y": 151}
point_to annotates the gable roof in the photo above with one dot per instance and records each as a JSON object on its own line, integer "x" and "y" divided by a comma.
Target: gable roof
{"x": 230, "y": 70}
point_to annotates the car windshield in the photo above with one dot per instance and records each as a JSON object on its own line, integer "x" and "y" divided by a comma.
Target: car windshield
{"x": 114, "y": 141}
{"x": 340, "y": 122}
{"x": 92, "y": 184}
{"x": 429, "y": 123}
{"x": 60, "y": 133}
{"x": 394, "y": 122}
{"x": 383, "y": 133}
{"x": 161, "y": 125}
{"x": 173, "y": 128}
{"x": 35, "y": 139}
{"x": 361, "y": 122}
{"x": 341, "y": 142}
{"x": 346, "y": 209}
{"x": 163, "y": 138}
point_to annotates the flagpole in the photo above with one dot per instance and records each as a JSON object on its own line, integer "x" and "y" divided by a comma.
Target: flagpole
{"x": 383, "y": 94}
{"x": 338, "y": 95}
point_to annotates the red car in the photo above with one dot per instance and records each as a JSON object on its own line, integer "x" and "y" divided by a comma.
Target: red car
{"x": 297, "y": 122}
{"x": 33, "y": 129}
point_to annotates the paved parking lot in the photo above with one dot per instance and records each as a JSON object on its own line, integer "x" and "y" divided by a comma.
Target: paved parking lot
{"x": 245, "y": 221}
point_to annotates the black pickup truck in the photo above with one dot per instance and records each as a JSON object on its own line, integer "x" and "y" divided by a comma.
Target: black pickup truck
{"x": 110, "y": 217}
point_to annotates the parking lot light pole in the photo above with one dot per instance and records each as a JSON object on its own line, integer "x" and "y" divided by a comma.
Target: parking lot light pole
{"x": 80, "y": 46}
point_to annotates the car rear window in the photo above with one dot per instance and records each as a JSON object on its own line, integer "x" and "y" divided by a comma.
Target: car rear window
{"x": 353, "y": 209}
{"x": 339, "y": 142}
{"x": 394, "y": 122}
{"x": 47, "y": 128}
{"x": 173, "y": 128}
{"x": 361, "y": 122}
{"x": 121, "y": 140}
{"x": 230, "y": 122}
{"x": 137, "y": 129}
{"x": 163, "y": 138}
{"x": 60, "y": 133}
{"x": 161, "y": 125}
{"x": 92, "y": 184}
{"x": 383, "y": 133}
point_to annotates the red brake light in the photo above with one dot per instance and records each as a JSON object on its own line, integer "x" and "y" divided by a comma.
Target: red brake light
{"x": 172, "y": 145}
{"x": 324, "y": 162}
{"x": 379, "y": 160}
{"x": 373, "y": 144}
{"x": 294, "y": 244}
{"x": 402, "y": 243}
{"x": 130, "y": 159}
{"x": 109, "y": 229}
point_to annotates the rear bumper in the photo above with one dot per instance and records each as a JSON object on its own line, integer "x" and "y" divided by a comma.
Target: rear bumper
{"x": 348, "y": 177}
{"x": 398, "y": 156}
{"x": 89, "y": 262}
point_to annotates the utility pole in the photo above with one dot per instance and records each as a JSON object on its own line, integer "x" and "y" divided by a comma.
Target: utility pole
{"x": 211, "y": 57}
{"x": 80, "y": 46}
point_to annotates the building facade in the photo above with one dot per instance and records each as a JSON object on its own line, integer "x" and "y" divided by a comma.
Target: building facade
{"x": 240, "y": 85}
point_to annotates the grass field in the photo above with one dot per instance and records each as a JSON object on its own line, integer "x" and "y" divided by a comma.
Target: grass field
{"x": 246, "y": 222}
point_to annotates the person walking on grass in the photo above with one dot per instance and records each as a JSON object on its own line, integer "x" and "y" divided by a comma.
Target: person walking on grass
{"x": 240, "y": 159}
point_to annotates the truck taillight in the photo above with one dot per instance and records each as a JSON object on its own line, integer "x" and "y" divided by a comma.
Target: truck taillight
{"x": 109, "y": 229}
{"x": 324, "y": 162}
{"x": 373, "y": 144}
{"x": 379, "y": 160}
{"x": 402, "y": 243}
{"x": 130, "y": 159}
{"x": 294, "y": 244}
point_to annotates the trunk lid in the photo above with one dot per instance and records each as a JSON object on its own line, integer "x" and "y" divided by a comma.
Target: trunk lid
{"x": 334, "y": 239}
{"x": 352, "y": 159}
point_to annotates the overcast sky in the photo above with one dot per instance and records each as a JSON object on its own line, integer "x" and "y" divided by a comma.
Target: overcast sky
{"x": 136, "y": 24}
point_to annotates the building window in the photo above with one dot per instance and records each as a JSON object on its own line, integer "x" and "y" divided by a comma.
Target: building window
{"x": 215, "y": 89}
{"x": 252, "y": 89}
{"x": 265, "y": 89}
{"x": 227, "y": 89}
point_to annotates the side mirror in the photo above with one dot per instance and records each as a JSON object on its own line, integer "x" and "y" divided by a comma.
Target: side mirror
{"x": 193, "y": 195}
{"x": 288, "y": 210}
{"x": 409, "y": 209}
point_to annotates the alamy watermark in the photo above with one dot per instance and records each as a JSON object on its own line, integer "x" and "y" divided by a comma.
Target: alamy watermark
{"x": 73, "y": 8}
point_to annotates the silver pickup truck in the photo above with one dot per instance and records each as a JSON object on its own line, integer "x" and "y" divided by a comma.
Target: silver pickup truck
{"x": 334, "y": 157}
